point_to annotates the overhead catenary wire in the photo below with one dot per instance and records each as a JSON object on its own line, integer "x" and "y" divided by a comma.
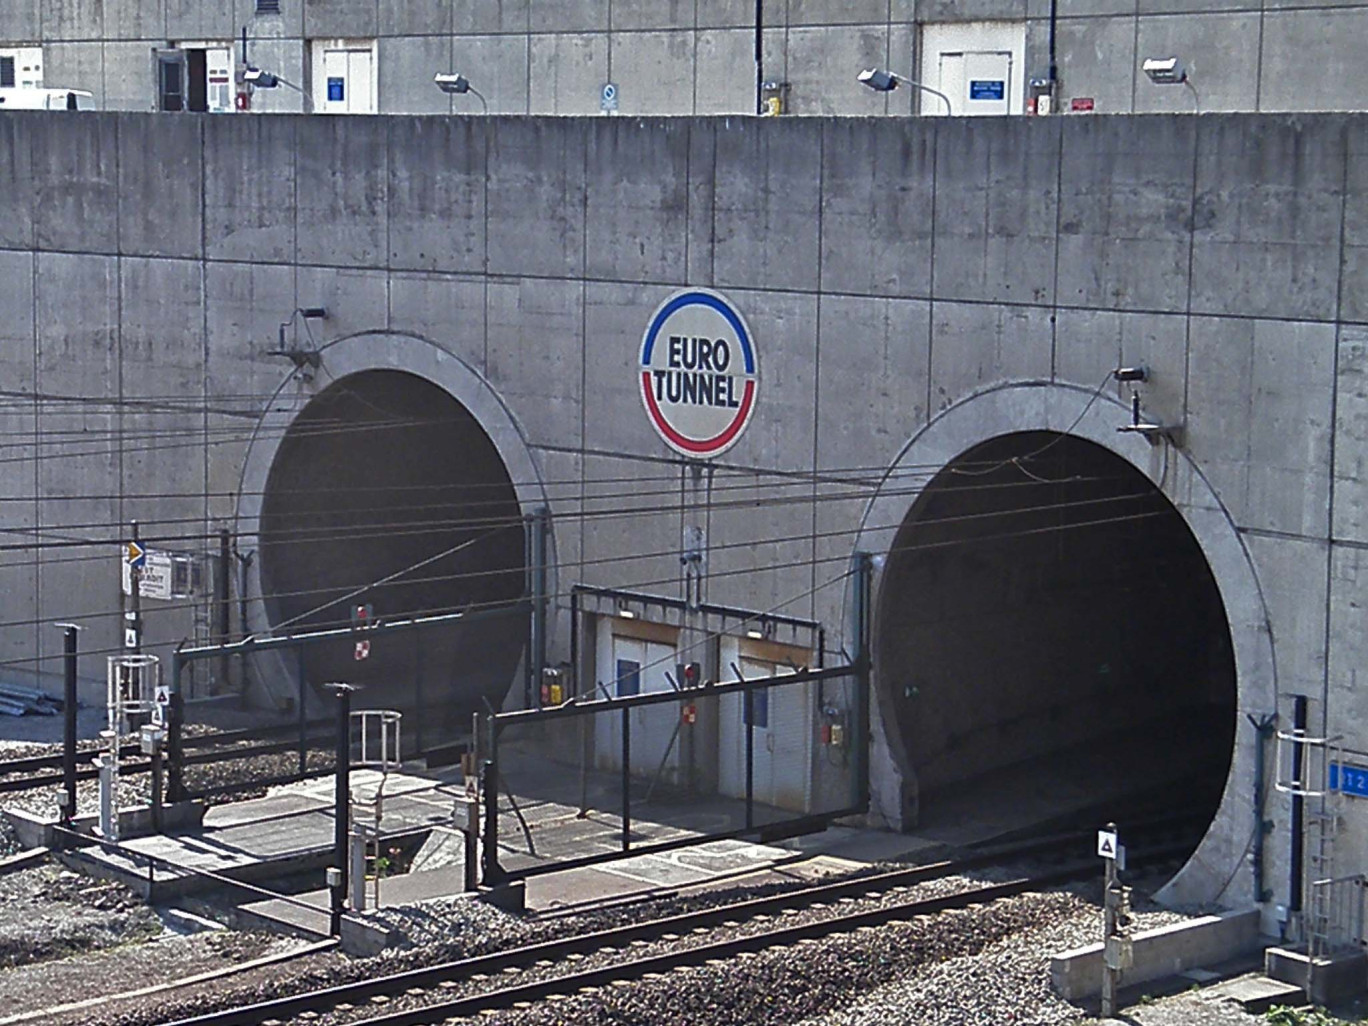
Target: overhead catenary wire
{"x": 810, "y": 563}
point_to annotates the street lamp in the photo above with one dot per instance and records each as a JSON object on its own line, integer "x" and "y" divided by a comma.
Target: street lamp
{"x": 452, "y": 83}
{"x": 882, "y": 81}
{"x": 1163, "y": 71}
{"x": 259, "y": 79}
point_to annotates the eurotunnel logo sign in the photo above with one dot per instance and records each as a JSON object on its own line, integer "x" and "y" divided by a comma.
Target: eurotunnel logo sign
{"x": 699, "y": 373}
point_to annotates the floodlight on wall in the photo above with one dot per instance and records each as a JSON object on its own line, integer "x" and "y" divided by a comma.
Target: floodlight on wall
{"x": 1164, "y": 70}
{"x": 882, "y": 81}
{"x": 453, "y": 84}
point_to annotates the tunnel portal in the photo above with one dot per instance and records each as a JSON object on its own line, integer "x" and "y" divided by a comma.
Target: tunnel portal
{"x": 1051, "y": 636}
{"x": 385, "y": 483}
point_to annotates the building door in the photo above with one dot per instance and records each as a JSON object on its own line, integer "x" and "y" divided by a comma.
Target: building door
{"x": 782, "y": 721}
{"x": 978, "y": 82}
{"x": 347, "y": 82}
{"x": 171, "y": 87}
{"x": 21, "y": 68}
{"x": 638, "y": 667}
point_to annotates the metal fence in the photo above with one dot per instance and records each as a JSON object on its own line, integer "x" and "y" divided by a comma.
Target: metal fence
{"x": 594, "y": 781}
{"x": 303, "y": 744}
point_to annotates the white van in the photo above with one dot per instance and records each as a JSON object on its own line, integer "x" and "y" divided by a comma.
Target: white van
{"x": 46, "y": 99}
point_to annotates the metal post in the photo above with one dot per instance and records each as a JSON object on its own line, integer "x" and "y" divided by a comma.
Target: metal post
{"x": 1110, "y": 976}
{"x": 759, "y": 56}
{"x": 341, "y": 807}
{"x": 537, "y": 650}
{"x": 158, "y": 779}
{"x": 301, "y": 707}
{"x": 135, "y": 600}
{"x": 175, "y": 729}
{"x": 859, "y": 745}
{"x": 69, "y": 725}
{"x": 748, "y": 701}
{"x": 418, "y": 688}
{"x": 489, "y": 794}
{"x": 626, "y": 778}
{"x": 1298, "y": 836}
{"x": 225, "y": 606}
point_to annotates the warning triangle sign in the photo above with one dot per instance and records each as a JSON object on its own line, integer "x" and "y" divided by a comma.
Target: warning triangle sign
{"x": 1106, "y": 844}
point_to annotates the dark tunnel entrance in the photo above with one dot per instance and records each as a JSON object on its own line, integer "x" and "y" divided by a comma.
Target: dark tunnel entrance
{"x": 384, "y": 477}
{"x": 1051, "y": 638}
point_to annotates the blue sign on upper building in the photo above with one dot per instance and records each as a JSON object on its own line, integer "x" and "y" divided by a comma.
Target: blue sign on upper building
{"x": 987, "y": 89}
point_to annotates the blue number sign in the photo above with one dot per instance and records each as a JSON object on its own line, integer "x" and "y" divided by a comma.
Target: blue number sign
{"x": 987, "y": 89}
{"x": 336, "y": 90}
{"x": 1349, "y": 779}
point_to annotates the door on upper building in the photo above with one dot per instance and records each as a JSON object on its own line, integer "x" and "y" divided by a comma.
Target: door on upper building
{"x": 195, "y": 77}
{"x": 978, "y": 82}
{"x": 344, "y": 78}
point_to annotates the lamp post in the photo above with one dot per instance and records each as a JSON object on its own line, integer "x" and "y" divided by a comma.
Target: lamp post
{"x": 452, "y": 84}
{"x": 1163, "y": 71}
{"x": 882, "y": 81}
{"x": 259, "y": 79}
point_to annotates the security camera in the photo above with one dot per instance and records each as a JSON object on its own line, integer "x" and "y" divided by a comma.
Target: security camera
{"x": 1164, "y": 70}
{"x": 452, "y": 82}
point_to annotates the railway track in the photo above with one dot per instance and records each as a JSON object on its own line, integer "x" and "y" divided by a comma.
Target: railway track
{"x": 29, "y": 772}
{"x": 434, "y": 985}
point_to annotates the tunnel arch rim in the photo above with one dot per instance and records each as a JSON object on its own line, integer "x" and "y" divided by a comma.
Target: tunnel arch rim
{"x": 359, "y": 353}
{"x": 1218, "y": 866}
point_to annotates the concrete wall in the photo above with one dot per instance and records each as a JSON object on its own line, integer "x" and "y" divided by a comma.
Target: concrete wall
{"x": 696, "y": 56}
{"x": 940, "y": 281}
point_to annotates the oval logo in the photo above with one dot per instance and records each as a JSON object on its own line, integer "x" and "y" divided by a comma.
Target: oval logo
{"x": 699, "y": 373}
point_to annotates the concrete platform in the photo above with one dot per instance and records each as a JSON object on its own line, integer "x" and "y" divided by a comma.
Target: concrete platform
{"x": 287, "y": 832}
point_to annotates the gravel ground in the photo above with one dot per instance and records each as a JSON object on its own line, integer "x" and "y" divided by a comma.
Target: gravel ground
{"x": 48, "y": 912}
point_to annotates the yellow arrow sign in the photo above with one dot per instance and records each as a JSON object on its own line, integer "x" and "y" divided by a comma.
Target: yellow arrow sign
{"x": 137, "y": 555}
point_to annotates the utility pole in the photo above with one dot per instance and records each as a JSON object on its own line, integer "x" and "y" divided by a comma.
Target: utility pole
{"x": 337, "y": 873}
{"x": 69, "y": 726}
{"x": 759, "y": 56}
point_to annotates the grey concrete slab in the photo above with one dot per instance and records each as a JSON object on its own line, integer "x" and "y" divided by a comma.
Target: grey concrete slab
{"x": 21, "y": 20}
{"x": 872, "y": 354}
{"x": 1291, "y": 568}
{"x": 74, "y": 19}
{"x": 1351, "y": 436}
{"x": 129, "y": 78}
{"x": 636, "y": 186}
{"x": 249, "y": 209}
{"x": 970, "y": 10}
{"x": 725, "y": 64}
{"x": 823, "y": 65}
{"x": 76, "y": 177}
{"x": 621, "y": 497}
{"x": 1126, "y": 195}
{"x": 161, "y": 188}
{"x": 1090, "y": 344}
{"x": 76, "y": 65}
{"x": 536, "y": 179}
{"x": 16, "y": 167}
{"x": 836, "y": 12}
{"x": 725, "y": 13}
{"x": 1094, "y": 50}
{"x": 1267, "y": 243}
{"x": 406, "y": 66}
{"x": 342, "y": 217}
{"x": 500, "y": 64}
{"x": 143, "y": 19}
{"x": 667, "y": 14}
{"x": 19, "y": 422}
{"x": 493, "y": 16}
{"x": 338, "y": 19}
{"x": 569, "y": 16}
{"x": 536, "y": 353}
{"x": 447, "y": 310}
{"x": 1353, "y": 282}
{"x": 878, "y": 182}
{"x": 1216, "y": 50}
{"x": 990, "y": 246}
{"x": 655, "y": 75}
{"x": 567, "y": 72}
{"x": 417, "y": 18}
{"x": 192, "y": 20}
{"x": 702, "y": 200}
{"x": 766, "y": 210}
{"x": 974, "y": 346}
{"x": 436, "y": 193}
{"x": 357, "y": 300}
{"x": 615, "y": 319}
{"x": 1271, "y": 467}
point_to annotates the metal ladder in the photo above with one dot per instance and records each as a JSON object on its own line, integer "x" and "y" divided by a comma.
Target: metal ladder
{"x": 1306, "y": 768}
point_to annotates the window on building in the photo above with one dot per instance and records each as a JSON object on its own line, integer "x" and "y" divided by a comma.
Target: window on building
{"x": 6, "y": 72}
{"x": 759, "y": 717}
{"x": 171, "y": 80}
{"x": 268, "y": 6}
{"x": 628, "y": 677}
